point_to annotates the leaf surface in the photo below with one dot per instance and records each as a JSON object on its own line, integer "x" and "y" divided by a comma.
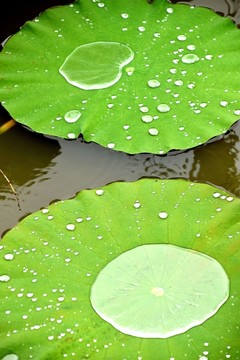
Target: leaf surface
{"x": 180, "y": 89}
{"x": 50, "y": 261}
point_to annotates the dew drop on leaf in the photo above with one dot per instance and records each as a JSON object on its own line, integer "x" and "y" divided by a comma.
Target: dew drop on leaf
{"x": 163, "y": 108}
{"x": 163, "y": 215}
{"x": 72, "y": 116}
{"x": 147, "y": 118}
{"x": 190, "y": 58}
{"x": 153, "y": 83}
{"x": 10, "y": 357}
{"x": 153, "y": 131}
{"x": 4, "y": 278}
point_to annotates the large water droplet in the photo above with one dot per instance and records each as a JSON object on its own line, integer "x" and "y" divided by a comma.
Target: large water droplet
{"x": 163, "y": 108}
{"x": 147, "y": 118}
{"x": 72, "y": 116}
{"x": 159, "y": 290}
{"x": 9, "y": 256}
{"x": 163, "y": 215}
{"x": 70, "y": 227}
{"x": 154, "y": 83}
{"x": 190, "y": 58}
{"x": 4, "y": 278}
{"x": 181, "y": 37}
{"x": 71, "y": 136}
{"x": 10, "y": 357}
{"x": 153, "y": 131}
{"x": 96, "y": 65}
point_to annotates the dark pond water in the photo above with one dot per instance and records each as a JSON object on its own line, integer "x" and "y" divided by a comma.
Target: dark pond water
{"x": 43, "y": 169}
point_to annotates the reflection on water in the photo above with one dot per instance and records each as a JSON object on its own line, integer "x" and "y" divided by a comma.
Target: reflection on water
{"x": 42, "y": 169}
{"x": 229, "y": 8}
{"x": 216, "y": 163}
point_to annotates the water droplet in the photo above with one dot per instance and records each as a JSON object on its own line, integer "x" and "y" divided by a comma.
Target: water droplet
{"x": 181, "y": 37}
{"x": 157, "y": 35}
{"x": 137, "y": 205}
{"x": 100, "y": 192}
{"x": 10, "y": 357}
{"x": 70, "y": 227}
{"x": 237, "y": 112}
{"x": 72, "y": 116}
{"x": 124, "y": 15}
{"x": 169, "y": 10}
{"x": 4, "y": 278}
{"x": 216, "y": 195}
{"x": 163, "y": 215}
{"x": 173, "y": 71}
{"x": 157, "y": 291}
{"x": 208, "y": 57}
{"x": 130, "y": 70}
{"x": 45, "y": 211}
{"x": 8, "y": 256}
{"x": 144, "y": 109}
{"x": 223, "y": 103}
{"x": 147, "y": 118}
{"x": 147, "y": 278}
{"x": 71, "y": 136}
{"x": 111, "y": 145}
{"x": 81, "y": 69}
{"x": 163, "y": 108}
{"x": 190, "y": 58}
{"x": 191, "y": 47}
{"x": 153, "y": 131}
{"x": 141, "y": 28}
{"x": 153, "y": 83}
{"x": 178, "y": 82}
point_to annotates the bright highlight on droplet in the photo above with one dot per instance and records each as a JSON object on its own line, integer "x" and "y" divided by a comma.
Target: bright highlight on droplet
{"x": 96, "y": 65}
{"x": 159, "y": 290}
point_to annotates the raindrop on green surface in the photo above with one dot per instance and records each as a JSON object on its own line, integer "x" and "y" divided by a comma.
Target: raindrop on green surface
{"x": 153, "y": 131}
{"x": 96, "y": 65}
{"x": 153, "y": 83}
{"x": 190, "y": 58}
{"x": 4, "y": 278}
{"x": 72, "y": 116}
{"x": 10, "y": 357}
{"x": 147, "y": 118}
{"x": 163, "y": 108}
{"x": 159, "y": 290}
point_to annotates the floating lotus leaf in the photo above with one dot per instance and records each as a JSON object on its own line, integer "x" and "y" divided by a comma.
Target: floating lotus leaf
{"x": 170, "y": 244}
{"x": 128, "y": 75}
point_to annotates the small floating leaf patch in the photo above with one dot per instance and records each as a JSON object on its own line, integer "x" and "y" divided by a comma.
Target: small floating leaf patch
{"x": 53, "y": 263}
{"x": 159, "y": 80}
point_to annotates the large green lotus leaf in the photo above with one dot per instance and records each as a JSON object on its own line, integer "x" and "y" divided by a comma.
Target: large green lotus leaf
{"x": 51, "y": 259}
{"x": 128, "y": 75}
